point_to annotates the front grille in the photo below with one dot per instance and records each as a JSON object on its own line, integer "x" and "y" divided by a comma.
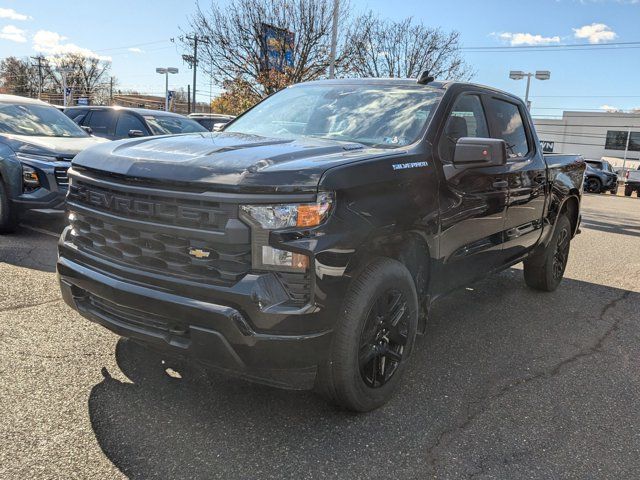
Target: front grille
{"x": 174, "y": 234}
{"x": 61, "y": 177}
{"x": 166, "y": 210}
{"x": 160, "y": 252}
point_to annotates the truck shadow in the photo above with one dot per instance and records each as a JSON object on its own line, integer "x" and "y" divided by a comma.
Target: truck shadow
{"x": 483, "y": 343}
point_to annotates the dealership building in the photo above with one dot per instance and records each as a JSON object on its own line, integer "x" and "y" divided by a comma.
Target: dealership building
{"x": 594, "y": 135}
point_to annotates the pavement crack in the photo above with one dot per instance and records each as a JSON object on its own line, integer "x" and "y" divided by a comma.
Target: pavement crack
{"x": 479, "y": 406}
{"x": 29, "y": 305}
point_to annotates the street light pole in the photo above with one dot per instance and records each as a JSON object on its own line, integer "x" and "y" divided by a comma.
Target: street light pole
{"x": 166, "y": 71}
{"x": 519, "y": 75}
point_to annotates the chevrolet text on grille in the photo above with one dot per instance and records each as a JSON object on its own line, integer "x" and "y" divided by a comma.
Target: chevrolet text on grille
{"x": 126, "y": 204}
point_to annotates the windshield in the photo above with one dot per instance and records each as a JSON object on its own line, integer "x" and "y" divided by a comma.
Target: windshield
{"x": 169, "y": 125}
{"x": 375, "y": 115}
{"x": 37, "y": 121}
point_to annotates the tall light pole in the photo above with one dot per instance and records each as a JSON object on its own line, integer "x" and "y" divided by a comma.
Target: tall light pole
{"x": 334, "y": 39}
{"x": 166, "y": 71}
{"x": 519, "y": 75}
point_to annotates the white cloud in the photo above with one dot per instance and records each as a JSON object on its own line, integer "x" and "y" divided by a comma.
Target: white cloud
{"x": 52, "y": 43}
{"x": 595, "y": 33}
{"x": 135, "y": 50}
{"x": 11, "y": 14}
{"x": 517, "y": 39}
{"x": 609, "y": 108}
{"x": 13, "y": 33}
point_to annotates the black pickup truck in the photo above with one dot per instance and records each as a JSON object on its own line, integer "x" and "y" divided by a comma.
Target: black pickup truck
{"x": 303, "y": 246}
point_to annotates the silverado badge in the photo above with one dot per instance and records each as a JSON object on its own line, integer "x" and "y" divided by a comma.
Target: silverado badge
{"x": 199, "y": 253}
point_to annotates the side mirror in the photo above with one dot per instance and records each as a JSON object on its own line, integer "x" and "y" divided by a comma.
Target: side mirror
{"x": 136, "y": 133}
{"x": 87, "y": 129}
{"x": 474, "y": 152}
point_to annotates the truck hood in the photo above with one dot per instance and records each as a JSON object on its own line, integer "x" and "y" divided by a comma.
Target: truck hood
{"x": 54, "y": 146}
{"x": 229, "y": 161}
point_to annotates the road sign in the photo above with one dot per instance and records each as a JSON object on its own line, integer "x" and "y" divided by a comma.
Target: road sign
{"x": 547, "y": 146}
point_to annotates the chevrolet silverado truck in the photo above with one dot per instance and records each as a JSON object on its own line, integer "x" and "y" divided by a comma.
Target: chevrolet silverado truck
{"x": 632, "y": 182}
{"x": 304, "y": 244}
{"x": 37, "y": 143}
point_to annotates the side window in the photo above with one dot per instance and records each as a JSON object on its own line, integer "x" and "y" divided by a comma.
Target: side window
{"x": 466, "y": 119}
{"x": 127, "y": 122}
{"x": 101, "y": 122}
{"x": 507, "y": 124}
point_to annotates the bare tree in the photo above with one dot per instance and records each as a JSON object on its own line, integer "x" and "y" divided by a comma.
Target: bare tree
{"x": 18, "y": 76}
{"x": 233, "y": 46}
{"x": 88, "y": 76}
{"x": 406, "y": 48}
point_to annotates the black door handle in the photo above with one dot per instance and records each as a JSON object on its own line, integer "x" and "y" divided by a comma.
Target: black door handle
{"x": 500, "y": 184}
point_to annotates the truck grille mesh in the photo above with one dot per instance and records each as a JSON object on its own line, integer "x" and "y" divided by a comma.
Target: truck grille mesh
{"x": 160, "y": 252}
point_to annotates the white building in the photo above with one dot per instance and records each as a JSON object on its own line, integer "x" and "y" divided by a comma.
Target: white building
{"x": 594, "y": 135}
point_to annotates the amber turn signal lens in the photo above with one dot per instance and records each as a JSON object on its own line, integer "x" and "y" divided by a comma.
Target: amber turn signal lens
{"x": 300, "y": 261}
{"x": 309, "y": 215}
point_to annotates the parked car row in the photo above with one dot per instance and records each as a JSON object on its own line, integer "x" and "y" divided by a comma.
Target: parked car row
{"x": 38, "y": 142}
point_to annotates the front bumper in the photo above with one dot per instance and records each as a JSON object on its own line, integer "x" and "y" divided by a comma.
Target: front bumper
{"x": 53, "y": 187}
{"x": 217, "y": 332}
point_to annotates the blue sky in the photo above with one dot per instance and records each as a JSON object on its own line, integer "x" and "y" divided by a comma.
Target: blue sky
{"x": 135, "y": 35}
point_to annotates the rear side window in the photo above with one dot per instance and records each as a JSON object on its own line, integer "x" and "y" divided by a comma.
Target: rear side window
{"x": 508, "y": 125}
{"x": 102, "y": 122}
{"x": 127, "y": 122}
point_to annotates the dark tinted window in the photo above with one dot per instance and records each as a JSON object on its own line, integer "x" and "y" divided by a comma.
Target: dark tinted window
{"x": 127, "y": 122}
{"x": 617, "y": 140}
{"x": 206, "y": 123}
{"x": 509, "y": 126}
{"x": 102, "y": 121}
{"x": 467, "y": 119}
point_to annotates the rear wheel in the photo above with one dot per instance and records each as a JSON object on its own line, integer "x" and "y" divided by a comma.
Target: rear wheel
{"x": 373, "y": 338}
{"x": 544, "y": 270}
{"x": 593, "y": 185}
{"x": 8, "y": 215}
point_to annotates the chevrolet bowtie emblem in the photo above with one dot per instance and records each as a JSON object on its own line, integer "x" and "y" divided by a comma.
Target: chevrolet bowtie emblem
{"x": 199, "y": 253}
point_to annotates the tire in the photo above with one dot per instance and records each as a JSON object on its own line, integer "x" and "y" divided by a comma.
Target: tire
{"x": 593, "y": 185}
{"x": 8, "y": 215}
{"x": 628, "y": 191}
{"x": 365, "y": 364}
{"x": 544, "y": 271}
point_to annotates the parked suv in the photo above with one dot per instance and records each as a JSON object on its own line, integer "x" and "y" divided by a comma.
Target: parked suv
{"x": 304, "y": 244}
{"x": 211, "y": 121}
{"x": 115, "y": 123}
{"x": 37, "y": 144}
{"x": 600, "y": 177}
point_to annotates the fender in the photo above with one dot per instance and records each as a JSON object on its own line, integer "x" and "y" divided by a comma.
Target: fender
{"x": 10, "y": 171}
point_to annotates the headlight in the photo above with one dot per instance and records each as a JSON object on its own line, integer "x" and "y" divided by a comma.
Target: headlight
{"x": 34, "y": 156}
{"x": 30, "y": 179}
{"x": 273, "y": 217}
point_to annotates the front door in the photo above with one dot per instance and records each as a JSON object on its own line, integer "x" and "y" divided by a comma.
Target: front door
{"x": 472, "y": 203}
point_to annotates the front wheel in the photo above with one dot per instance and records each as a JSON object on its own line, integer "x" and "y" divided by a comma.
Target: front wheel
{"x": 373, "y": 338}
{"x": 628, "y": 191}
{"x": 544, "y": 270}
{"x": 8, "y": 215}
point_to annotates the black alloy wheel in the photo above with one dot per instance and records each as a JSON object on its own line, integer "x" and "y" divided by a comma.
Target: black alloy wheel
{"x": 383, "y": 338}
{"x": 561, "y": 254}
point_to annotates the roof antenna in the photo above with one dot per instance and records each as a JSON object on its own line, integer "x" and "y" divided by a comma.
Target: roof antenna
{"x": 425, "y": 78}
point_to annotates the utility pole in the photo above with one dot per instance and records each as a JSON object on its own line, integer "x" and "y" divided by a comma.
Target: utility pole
{"x": 334, "y": 39}
{"x": 192, "y": 60}
{"x": 626, "y": 149}
{"x": 39, "y": 59}
{"x": 188, "y": 98}
{"x": 111, "y": 90}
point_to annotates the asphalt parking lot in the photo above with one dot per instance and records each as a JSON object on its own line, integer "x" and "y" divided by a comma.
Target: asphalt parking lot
{"x": 508, "y": 383}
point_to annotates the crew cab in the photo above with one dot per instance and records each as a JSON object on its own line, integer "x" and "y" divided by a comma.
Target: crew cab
{"x": 37, "y": 143}
{"x": 303, "y": 246}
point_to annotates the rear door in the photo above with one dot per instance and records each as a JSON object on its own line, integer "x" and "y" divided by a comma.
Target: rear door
{"x": 472, "y": 202}
{"x": 526, "y": 175}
